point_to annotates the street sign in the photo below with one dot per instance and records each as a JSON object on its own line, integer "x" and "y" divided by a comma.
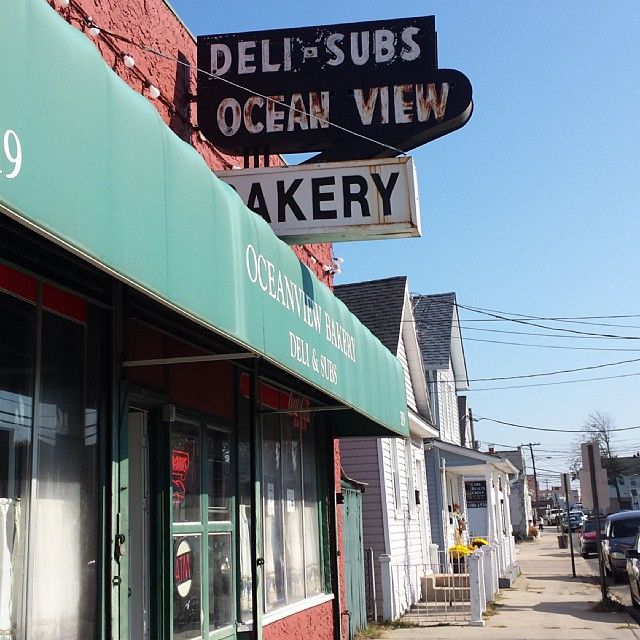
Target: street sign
{"x": 332, "y": 202}
{"x": 300, "y": 90}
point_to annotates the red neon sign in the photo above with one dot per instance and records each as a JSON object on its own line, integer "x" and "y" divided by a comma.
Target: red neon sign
{"x": 179, "y": 468}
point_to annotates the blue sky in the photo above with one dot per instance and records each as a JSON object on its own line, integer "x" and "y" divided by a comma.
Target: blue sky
{"x": 530, "y": 208}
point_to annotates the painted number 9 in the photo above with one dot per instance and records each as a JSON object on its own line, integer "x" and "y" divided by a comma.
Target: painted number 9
{"x": 13, "y": 152}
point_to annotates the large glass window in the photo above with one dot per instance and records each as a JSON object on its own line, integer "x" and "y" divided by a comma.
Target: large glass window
{"x": 17, "y": 345}
{"x": 291, "y": 511}
{"x": 51, "y": 411}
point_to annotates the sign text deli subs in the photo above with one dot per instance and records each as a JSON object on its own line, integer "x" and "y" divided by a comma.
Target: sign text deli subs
{"x": 278, "y": 91}
{"x": 263, "y": 273}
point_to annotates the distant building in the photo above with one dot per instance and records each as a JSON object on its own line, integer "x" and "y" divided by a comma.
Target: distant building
{"x": 627, "y": 477}
{"x": 520, "y": 502}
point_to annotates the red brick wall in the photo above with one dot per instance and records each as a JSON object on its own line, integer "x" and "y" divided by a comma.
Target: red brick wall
{"x": 344, "y": 620}
{"x": 151, "y": 23}
{"x": 313, "y": 624}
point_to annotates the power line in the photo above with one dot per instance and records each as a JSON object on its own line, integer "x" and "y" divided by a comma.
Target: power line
{"x": 590, "y": 336}
{"x": 542, "y": 326}
{"x": 524, "y": 426}
{"x": 549, "y": 384}
{"x": 548, "y": 346}
{"x": 565, "y": 320}
{"x": 558, "y": 372}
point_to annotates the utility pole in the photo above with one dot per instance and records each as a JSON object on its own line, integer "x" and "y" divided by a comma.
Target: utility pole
{"x": 535, "y": 480}
{"x": 566, "y": 482}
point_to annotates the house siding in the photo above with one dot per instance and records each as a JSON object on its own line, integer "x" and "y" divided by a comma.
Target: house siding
{"x": 434, "y": 488}
{"x": 448, "y": 418}
{"x": 360, "y": 461}
{"x": 402, "y": 356}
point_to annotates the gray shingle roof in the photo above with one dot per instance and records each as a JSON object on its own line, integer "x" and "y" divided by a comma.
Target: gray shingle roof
{"x": 434, "y": 317}
{"x": 378, "y": 304}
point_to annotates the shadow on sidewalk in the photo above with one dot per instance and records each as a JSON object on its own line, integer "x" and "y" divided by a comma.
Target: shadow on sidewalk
{"x": 565, "y": 578}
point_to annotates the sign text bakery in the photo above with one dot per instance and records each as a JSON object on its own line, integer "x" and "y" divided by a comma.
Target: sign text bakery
{"x": 296, "y": 90}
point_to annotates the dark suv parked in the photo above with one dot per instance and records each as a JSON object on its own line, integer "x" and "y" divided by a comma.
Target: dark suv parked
{"x": 620, "y": 532}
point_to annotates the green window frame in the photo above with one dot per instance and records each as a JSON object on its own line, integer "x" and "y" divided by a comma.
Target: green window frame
{"x": 202, "y": 533}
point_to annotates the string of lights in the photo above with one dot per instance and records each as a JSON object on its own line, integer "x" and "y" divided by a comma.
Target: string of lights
{"x": 96, "y": 30}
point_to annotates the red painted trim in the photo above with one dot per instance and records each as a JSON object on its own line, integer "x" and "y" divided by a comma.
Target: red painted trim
{"x": 18, "y": 283}
{"x": 66, "y": 304}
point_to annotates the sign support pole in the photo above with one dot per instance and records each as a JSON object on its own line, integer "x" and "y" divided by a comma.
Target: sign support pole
{"x": 596, "y": 508}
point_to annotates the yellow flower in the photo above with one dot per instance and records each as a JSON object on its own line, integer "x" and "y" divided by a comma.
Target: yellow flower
{"x": 459, "y": 551}
{"x": 479, "y": 542}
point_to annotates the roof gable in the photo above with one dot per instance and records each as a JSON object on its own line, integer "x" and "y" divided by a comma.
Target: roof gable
{"x": 378, "y": 304}
{"x": 439, "y": 334}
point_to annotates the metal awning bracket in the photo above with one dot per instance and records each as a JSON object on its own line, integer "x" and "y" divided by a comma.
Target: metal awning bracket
{"x": 305, "y": 409}
{"x": 218, "y": 357}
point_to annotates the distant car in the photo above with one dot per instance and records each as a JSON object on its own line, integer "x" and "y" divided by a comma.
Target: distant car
{"x": 576, "y": 519}
{"x": 551, "y": 516}
{"x": 633, "y": 571}
{"x": 619, "y": 535}
{"x": 588, "y": 542}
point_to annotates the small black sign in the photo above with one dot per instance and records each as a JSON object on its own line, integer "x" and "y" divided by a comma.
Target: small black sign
{"x": 278, "y": 90}
{"x": 476, "y": 491}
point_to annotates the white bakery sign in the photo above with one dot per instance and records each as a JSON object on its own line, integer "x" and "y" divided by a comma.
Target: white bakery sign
{"x": 331, "y": 202}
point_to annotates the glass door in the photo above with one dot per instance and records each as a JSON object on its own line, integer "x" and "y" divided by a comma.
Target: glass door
{"x": 203, "y": 531}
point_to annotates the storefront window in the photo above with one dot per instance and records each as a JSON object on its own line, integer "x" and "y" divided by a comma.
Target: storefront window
{"x": 17, "y": 343}
{"x": 185, "y": 472}
{"x": 274, "y": 567}
{"x": 220, "y": 580}
{"x": 219, "y": 474}
{"x": 203, "y": 529}
{"x": 57, "y": 428}
{"x": 291, "y": 509}
{"x": 312, "y": 540}
{"x": 186, "y": 587}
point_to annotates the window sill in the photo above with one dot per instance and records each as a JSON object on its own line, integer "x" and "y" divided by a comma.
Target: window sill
{"x": 296, "y": 607}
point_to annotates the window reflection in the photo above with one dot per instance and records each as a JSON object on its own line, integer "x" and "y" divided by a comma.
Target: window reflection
{"x": 219, "y": 474}
{"x": 17, "y": 342}
{"x": 186, "y": 587}
{"x": 67, "y": 506}
{"x": 220, "y": 580}
{"x": 185, "y": 472}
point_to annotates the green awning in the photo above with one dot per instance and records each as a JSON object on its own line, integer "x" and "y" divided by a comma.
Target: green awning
{"x": 101, "y": 174}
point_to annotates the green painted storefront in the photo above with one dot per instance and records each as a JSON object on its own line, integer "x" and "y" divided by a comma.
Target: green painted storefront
{"x": 171, "y": 351}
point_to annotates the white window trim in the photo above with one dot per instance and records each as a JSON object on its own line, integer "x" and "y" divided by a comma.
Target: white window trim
{"x": 295, "y": 607}
{"x": 411, "y": 484}
{"x": 395, "y": 478}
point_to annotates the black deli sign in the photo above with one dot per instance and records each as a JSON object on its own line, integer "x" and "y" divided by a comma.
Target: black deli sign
{"x": 476, "y": 491}
{"x": 278, "y": 90}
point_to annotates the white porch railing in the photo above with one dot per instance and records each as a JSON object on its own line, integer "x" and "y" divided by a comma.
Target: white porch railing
{"x": 445, "y": 590}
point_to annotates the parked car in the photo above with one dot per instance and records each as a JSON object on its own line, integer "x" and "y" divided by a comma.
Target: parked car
{"x": 588, "y": 542}
{"x": 576, "y": 519}
{"x": 619, "y": 534}
{"x": 633, "y": 571}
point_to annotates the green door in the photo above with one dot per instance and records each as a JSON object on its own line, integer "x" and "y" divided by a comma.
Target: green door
{"x": 203, "y": 546}
{"x": 354, "y": 559}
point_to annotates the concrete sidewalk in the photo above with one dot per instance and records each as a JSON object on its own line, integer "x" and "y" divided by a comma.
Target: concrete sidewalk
{"x": 545, "y": 603}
